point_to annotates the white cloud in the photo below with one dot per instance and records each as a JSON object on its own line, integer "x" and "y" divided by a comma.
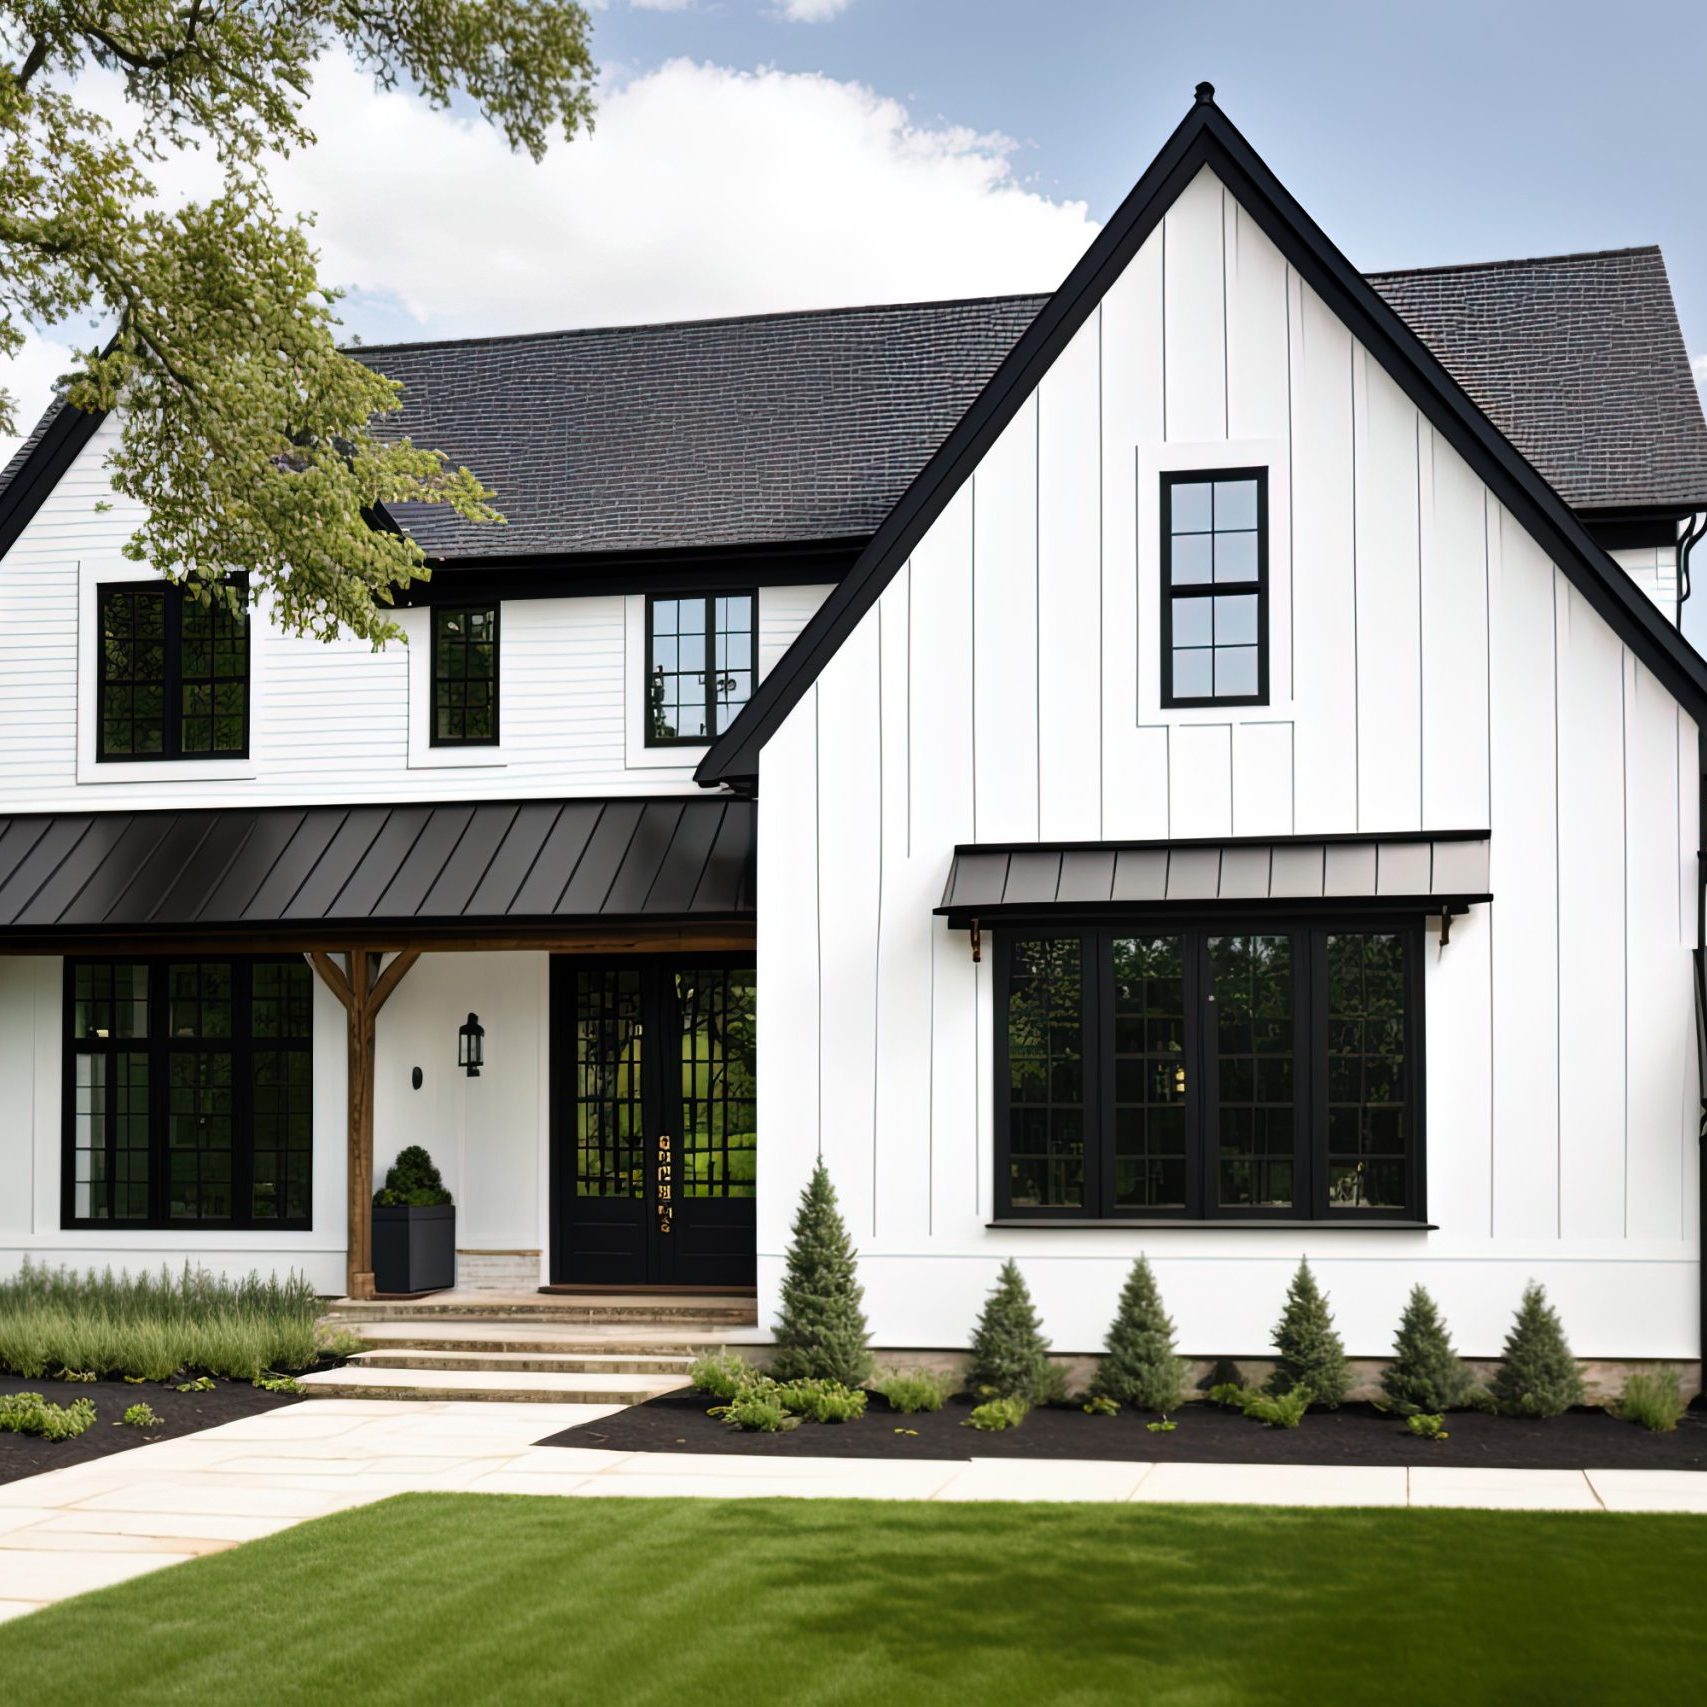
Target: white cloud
{"x": 812, "y": 11}
{"x": 703, "y": 191}
{"x": 661, "y": 5}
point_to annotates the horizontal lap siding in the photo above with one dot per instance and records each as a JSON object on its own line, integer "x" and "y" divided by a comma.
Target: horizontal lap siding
{"x": 1014, "y": 696}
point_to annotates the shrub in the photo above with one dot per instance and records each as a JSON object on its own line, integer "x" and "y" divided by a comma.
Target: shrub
{"x": 994, "y": 1415}
{"x": 821, "y": 1401}
{"x": 1428, "y": 1427}
{"x": 1654, "y": 1398}
{"x": 722, "y": 1373}
{"x": 1231, "y": 1394}
{"x": 1278, "y": 1410}
{"x": 757, "y": 1413}
{"x": 1537, "y": 1376}
{"x": 821, "y": 1334}
{"x": 142, "y": 1416}
{"x": 1100, "y": 1405}
{"x": 30, "y": 1413}
{"x": 1311, "y": 1353}
{"x": 1426, "y": 1374}
{"x": 1138, "y": 1366}
{"x": 412, "y": 1181}
{"x": 1010, "y": 1356}
{"x": 912, "y": 1390}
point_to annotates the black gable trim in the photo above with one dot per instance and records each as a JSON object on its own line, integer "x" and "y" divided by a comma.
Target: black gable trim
{"x": 53, "y": 453}
{"x": 1207, "y": 137}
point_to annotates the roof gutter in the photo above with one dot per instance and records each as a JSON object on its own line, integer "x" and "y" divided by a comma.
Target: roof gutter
{"x": 1687, "y": 541}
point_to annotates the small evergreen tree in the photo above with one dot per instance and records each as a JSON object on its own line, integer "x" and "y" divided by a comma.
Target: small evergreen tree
{"x": 1537, "y": 1376}
{"x": 1138, "y": 1366}
{"x": 1311, "y": 1353}
{"x": 822, "y": 1333}
{"x": 1010, "y": 1356}
{"x": 1426, "y": 1375}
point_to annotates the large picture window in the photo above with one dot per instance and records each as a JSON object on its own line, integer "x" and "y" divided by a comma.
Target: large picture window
{"x": 1242, "y": 1072}
{"x": 173, "y": 679}
{"x": 700, "y": 663}
{"x": 1215, "y": 587}
{"x": 189, "y": 1093}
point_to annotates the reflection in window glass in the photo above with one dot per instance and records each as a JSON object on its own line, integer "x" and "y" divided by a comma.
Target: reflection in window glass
{"x": 700, "y": 665}
{"x": 1367, "y": 1136}
{"x": 1046, "y": 1074}
{"x": 1254, "y": 1043}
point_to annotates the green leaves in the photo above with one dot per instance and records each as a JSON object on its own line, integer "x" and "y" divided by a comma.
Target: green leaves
{"x": 255, "y": 444}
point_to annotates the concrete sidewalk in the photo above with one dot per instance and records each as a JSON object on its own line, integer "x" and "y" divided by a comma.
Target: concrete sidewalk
{"x": 93, "y": 1524}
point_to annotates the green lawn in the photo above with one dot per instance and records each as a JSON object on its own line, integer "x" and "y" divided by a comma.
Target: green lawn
{"x": 451, "y": 1599}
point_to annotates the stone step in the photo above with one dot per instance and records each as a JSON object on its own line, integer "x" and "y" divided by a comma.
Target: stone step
{"x": 456, "y": 1334}
{"x": 524, "y": 1387}
{"x": 616, "y": 1312}
{"x": 570, "y": 1361}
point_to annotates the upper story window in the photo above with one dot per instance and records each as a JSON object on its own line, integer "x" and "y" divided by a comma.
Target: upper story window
{"x": 174, "y": 675}
{"x": 1241, "y": 1072}
{"x": 465, "y": 676}
{"x": 699, "y": 665}
{"x": 1215, "y": 587}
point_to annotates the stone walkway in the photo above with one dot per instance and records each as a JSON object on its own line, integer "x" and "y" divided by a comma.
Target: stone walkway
{"x": 97, "y": 1523}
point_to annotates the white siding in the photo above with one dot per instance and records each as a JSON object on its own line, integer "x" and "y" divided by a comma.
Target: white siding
{"x": 1430, "y": 669}
{"x": 1654, "y": 569}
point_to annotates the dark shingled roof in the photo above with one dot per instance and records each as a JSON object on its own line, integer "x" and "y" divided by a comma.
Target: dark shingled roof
{"x": 1579, "y": 360}
{"x": 771, "y": 428}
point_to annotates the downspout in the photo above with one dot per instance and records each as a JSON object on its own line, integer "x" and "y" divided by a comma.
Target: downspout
{"x": 1687, "y": 541}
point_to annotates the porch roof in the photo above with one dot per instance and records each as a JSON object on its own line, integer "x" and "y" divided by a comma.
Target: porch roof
{"x": 1446, "y": 869}
{"x": 325, "y": 871}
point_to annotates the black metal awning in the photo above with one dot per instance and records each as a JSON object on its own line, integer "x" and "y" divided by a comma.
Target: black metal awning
{"x": 1445, "y": 871}
{"x": 435, "y": 869}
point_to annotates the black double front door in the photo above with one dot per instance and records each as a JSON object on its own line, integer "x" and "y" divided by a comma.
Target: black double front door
{"x": 654, "y": 1121}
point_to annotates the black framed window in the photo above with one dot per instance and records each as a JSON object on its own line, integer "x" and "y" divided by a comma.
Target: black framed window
{"x": 465, "y": 676}
{"x": 700, "y": 665}
{"x": 1245, "y": 1071}
{"x": 173, "y": 678}
{"x": 189, "y": 1093}
{"x": 1215, "y": 587}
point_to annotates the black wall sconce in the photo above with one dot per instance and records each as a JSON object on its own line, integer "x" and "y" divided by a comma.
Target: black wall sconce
{"x": 471, "y": 1046}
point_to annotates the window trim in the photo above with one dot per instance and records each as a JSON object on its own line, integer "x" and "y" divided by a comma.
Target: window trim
{"x": 436, "y": 612}
{"x": 709, "y": 599}
{"x": 1309, "y": 1207}
{"x": 171, "y": 751}
{"x": 1170, "y": 478}
{"x": 159, "y": 1046}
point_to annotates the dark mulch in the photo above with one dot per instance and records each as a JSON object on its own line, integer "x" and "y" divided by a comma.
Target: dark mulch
{"x": 180, "y": 1413}
{"x": 1207, "y": 1434}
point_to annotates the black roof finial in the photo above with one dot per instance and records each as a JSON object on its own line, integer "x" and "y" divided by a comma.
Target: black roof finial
{"x": 1205, "y": 94}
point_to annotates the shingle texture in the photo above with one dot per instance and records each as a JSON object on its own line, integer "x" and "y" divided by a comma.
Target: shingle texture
{"x": 1579, "y": 360}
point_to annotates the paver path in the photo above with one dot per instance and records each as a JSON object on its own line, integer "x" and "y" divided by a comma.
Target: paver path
{"x": 100, "y": 1522}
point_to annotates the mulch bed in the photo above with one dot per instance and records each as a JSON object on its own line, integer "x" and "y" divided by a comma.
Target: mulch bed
{"x": 1207, "y": 1434}
{"x": 180, "y": 1413}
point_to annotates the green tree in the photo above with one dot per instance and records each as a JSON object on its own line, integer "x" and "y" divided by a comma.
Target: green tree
{"x": 1537, "y": 1376}
{"x": 1010, "y": 1356}
{"x": 1426, "y": 1374}
{"x": 821, "y": 1334}
{"x": 1311, "y": 1354}
{"x": 1138, "y": 1366}
{"x": 254, "y": 443}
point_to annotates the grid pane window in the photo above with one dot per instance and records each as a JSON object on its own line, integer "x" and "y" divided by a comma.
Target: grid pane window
{"x": 1366, "y": 1094}
{"x": 610, "y": 1114}
{"x": 174, "y": 1116}
{"x": 1255, "y": 1042}
{"x": 173, "y": 679}
{"x": 1046, "y": 1089}
{"x": 1150, "y": 1077}
{"x": 700, "y": 665}
{"x": 719, "y": 1037}
{"x": 1215, "y": 587}
{"x": 465, "y": 676}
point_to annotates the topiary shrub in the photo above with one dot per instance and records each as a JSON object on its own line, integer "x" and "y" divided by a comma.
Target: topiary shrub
{"x": 1311, "y": 1354}
{"x": 1010, "y": 1356}
{"x": 1138, "y": 1366}
{"x": 821, "y": 1334}
{"x": 411, "y": 1182}
{"x": 1537, "y": 1376}
{"x": 1426, "y": 1374}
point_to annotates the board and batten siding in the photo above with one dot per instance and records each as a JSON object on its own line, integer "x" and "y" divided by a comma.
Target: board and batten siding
{"x": 1430, "y": 669}
{"x": 328, "y": 723}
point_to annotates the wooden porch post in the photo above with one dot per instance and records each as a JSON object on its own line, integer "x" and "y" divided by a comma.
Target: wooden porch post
{"x": 363, "y": 989}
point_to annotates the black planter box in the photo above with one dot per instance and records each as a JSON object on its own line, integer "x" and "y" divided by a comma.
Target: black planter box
{"x": 414, "y": 1250}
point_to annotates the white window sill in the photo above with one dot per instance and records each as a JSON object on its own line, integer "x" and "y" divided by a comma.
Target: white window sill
{"x": 166, "y": 770}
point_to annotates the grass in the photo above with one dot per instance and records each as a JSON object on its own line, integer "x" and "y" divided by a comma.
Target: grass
{"x": 469, "y": 1599}
{"x": 154, "y": 1325}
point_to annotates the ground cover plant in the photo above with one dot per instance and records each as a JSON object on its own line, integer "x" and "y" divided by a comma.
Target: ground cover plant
{"x": 630, "y": 1601}
{"x": 821, "y": 1331}
{"x": 154, "y": 1325}
{"x": 30, "y": 1413}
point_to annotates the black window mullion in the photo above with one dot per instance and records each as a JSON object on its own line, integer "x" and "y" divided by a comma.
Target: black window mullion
{"x": 710, "y": 682}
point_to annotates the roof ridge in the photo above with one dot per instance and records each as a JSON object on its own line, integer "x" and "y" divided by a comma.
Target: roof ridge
{"x": 1038, "y": 296}
{"x": 1515, "y": 261}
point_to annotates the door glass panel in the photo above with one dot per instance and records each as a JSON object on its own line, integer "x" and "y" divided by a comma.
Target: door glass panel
{"x": 1367, "y": 1135}
{"x": 1251, "y": 977}
{"x": 1046, "y": 1075}
{"x": 610, "y": 1134}
{"x": 1149, "y": 1073}
{"x": 719, "y": 1081}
